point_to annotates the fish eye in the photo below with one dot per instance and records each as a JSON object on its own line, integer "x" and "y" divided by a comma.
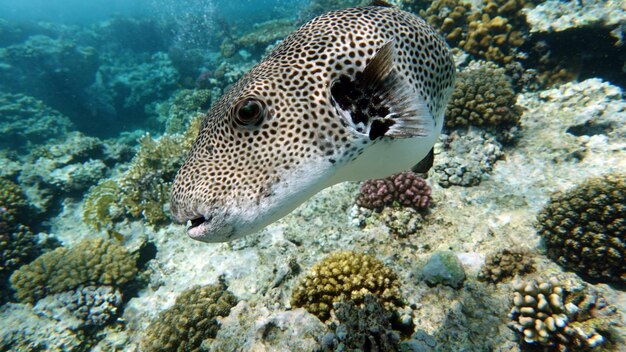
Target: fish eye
{"x": 249, "y": 112}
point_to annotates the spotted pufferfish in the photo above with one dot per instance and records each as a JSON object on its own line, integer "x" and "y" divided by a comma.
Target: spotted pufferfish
{"x": 353, "y": 94}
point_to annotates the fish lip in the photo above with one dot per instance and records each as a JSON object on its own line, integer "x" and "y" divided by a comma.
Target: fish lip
{"x": 199, "y": 229}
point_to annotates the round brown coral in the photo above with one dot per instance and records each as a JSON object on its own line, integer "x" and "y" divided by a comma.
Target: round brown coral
{"x": 584, "y": 229}
{"x": 483, "y": 97}
{"x": 344, "y": 276}
{"x": 191, "y": 320}
{"x": 505, "y": 264}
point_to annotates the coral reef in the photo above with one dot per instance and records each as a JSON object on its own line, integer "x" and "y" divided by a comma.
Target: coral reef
{"x": 259, "y": 329}
{"x": 466, "y": 159}
{"x": 68, "y": 167}
{"x": 494, "y": 32}
{"x": 264, "y": 34}
{"x": 28, "y": 331}
{"x": 505, "y": 264}
{"x": 584, "y": 228}
{"x": 483, "y": 97}
{"x": 18, "y": 245}
{"x": 345, "y": 276}
{"x": 87, "y": 307}
{"x": 143, "y": 190}
{"x": 362, "y": 326}
{"x": 449, "y": 17}
{"x": 177, "y": 112}
{"x": 406, "y": 189}
{"x": 26, "y": 121}
{"x": 91, "y": 262}
{"x": 557, "y": 16}
{"x": 547, "y": 314}
{"x": 190, "y": 321}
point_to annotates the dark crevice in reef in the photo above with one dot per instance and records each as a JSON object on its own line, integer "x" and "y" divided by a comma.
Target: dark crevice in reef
{"x": 583, "y": 52}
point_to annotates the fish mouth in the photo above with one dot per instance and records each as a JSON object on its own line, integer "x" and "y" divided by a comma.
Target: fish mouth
{"x": 199, "y": 226}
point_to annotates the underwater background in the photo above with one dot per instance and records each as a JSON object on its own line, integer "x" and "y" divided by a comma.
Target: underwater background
{"x": 515, "y": 240}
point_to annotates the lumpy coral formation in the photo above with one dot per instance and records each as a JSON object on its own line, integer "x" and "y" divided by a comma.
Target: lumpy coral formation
{"x": 546, "y": 314}
{"x": 483, "y": 97}
{"x": 18, "y": 245}
{"x": 345, "y": 276}
{"x": 91, "y": 262}
{"x": 505, "y": 264}
{"x": 191, "y": 320}
{"x": 584, "y": 228}
{"x": 406, "y": 189}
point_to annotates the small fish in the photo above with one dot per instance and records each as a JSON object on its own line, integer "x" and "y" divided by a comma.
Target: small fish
{"x": 353, "y": 94}
{"x": 115, "y": 234}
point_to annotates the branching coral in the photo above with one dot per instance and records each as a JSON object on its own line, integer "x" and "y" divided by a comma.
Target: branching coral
{"x": 344, "y": 276}
{"x": 90, "y": 262}
{"x": 143, "y": 190}
{"x": 190, "y": 321}
{"x": 584, "y": 228}
{"x": 548, "y": 314}
{"x": 406, "y": 189}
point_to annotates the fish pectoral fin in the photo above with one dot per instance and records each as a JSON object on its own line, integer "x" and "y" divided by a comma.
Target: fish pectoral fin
{"x": 380, "y": 102}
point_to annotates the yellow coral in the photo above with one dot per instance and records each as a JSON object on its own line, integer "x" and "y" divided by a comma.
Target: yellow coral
{"x": 345, "y": 276}
{"x": 190, "y": 321}
{"x": 90, "y": 262}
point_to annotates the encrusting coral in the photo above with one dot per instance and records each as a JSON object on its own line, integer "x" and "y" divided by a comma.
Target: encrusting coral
{"x": 406, "y": 189}
{"x": 584, "y": 228}
{"x": 345, "y": 276}
{"x": 483, "y": 97}
{"x": 91, "y": 262}
{"x": 191, "y": 320}
{"x": 548, "y": 314}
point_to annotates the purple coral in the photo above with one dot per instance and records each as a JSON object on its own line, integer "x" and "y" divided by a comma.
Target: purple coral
{"x": 405, "y": 188}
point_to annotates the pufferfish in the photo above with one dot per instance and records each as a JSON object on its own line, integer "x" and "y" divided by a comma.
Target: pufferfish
{"x": 353, "y": 94}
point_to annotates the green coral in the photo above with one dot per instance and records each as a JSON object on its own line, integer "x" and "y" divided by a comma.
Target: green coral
{"x": 483, "y": 97}
{"x": 142, "y": 192}
{"x": 584, "y": 229}
{"x": 91, "y": 262}
{"x": 191, "y": 320}
{"x": 345, "y": 276}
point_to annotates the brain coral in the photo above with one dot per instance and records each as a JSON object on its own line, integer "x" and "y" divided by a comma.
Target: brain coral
{"x": 484, "y": 97}
{"x": 190, "y": 321}
{"x": 584, "y": 229}
{"x": 405, "y": 188}
{"x": 344, "y": 276}
{"x": 91, "y": 262}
